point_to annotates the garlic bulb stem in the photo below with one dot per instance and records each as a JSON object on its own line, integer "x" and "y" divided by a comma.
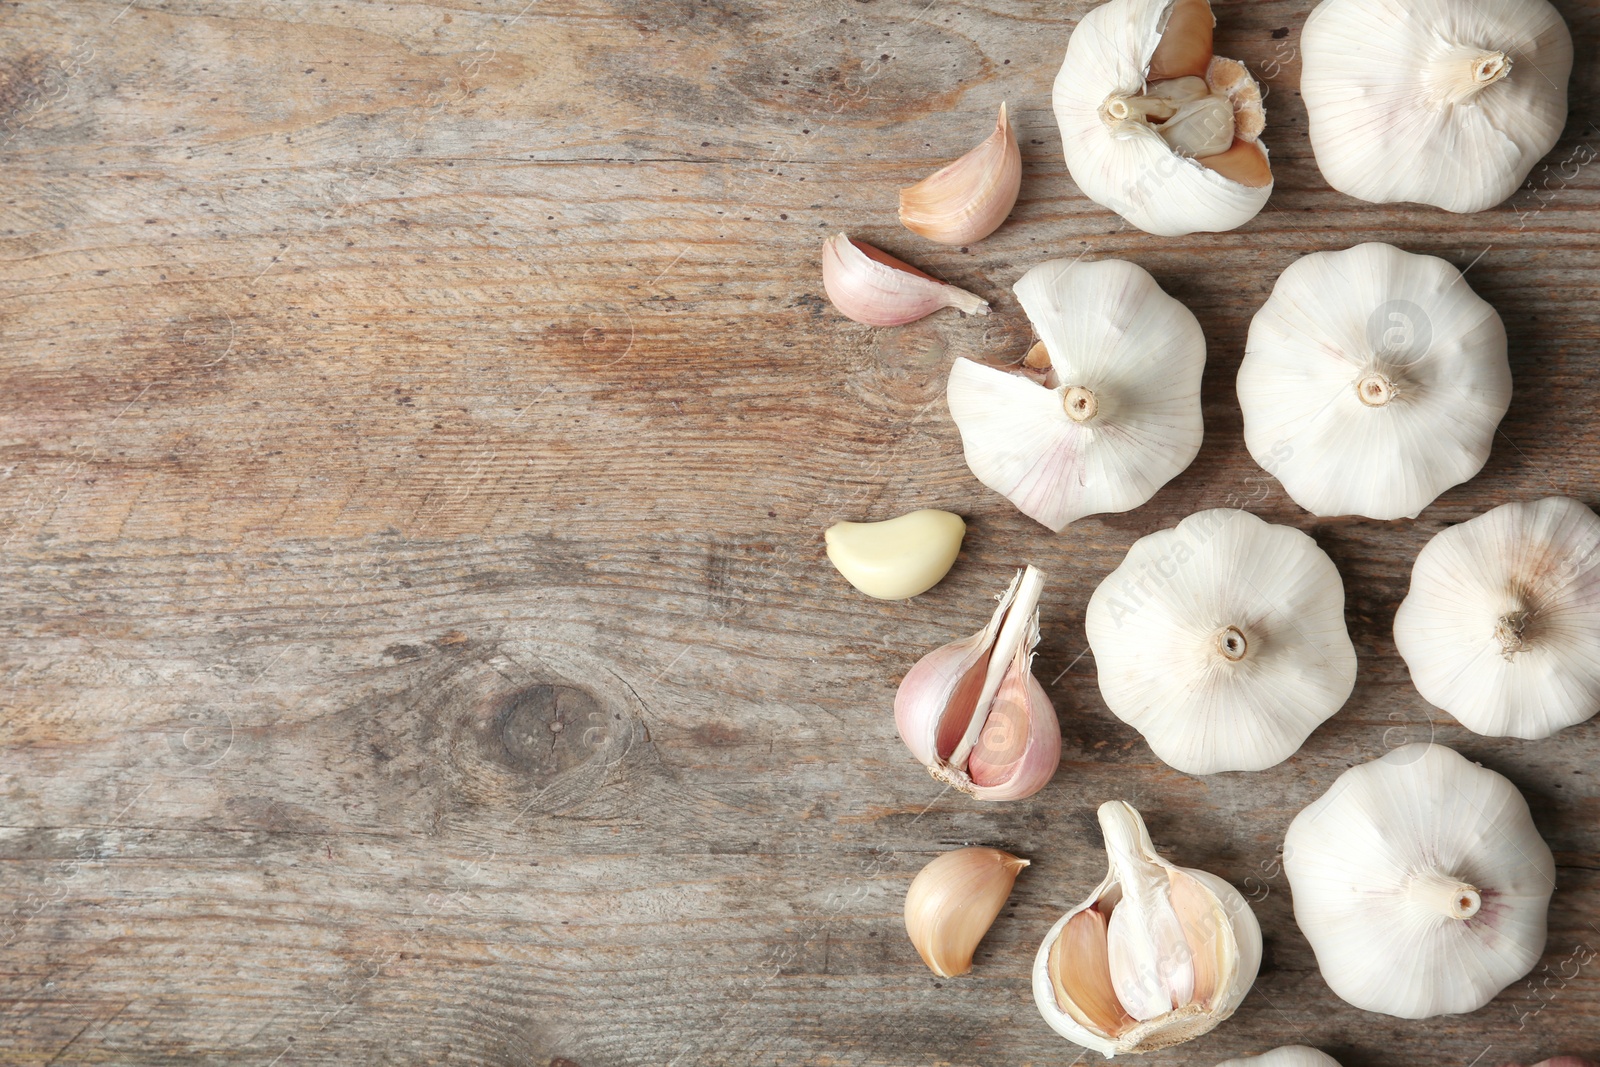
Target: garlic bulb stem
{"x": 1376, "y": 389}
{"x": 1465, "y": 72}
{"x": 1015, "y": 633}
{"x": 1448, "y": 896}
{"x": 1233, "y": 645}
{"x": 1080, "y": 403}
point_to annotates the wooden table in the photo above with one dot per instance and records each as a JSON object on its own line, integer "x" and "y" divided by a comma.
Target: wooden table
{"x": 419, "y": 425}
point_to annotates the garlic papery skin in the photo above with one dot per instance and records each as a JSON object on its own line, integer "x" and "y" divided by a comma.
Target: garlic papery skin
{"x": 1286, "y": 1056}
{"x": 1222, "y": 641}
{"x": 1501, "y": 627}
{"x": 1154, "y": 126}
{"x": 972, "y": 712}
{"x": 897, "y": 558}
{"x": 872, "y": 287}
{"x": 968, "y": 200}
{"x": 1421, "y": 883}
{"x": 1157, "y": 955}
{"x": 1441, "y": 102}
{"x": 952, "y": 903}
{"x": 1373, "y": 380}
{"x": 1118, "y": 414}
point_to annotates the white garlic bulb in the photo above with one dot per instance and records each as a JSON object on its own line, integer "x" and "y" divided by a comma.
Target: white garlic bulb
{"x": 1421, "y": 883}
{"x": 1501, "y": 627}
{"x": 1442, "y": 102}
{"x": 1373, "y": 380}
{"x": 1154, "y": 126}
{"x": 1222, "y": 641}
{"x": 1157, "y": 955}
{"x": 1118, "y": 414}
{"x": 1287, "y": 1056}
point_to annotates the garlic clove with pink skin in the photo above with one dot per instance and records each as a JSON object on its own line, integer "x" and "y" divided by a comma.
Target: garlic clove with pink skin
{"x": 972, "y": 712}
{"x": 876, "y": 289}
{"x": 967, "y": 200}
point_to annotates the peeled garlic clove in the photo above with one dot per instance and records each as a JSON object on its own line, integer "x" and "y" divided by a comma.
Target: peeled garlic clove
{"x": 1501, "y": 627}
{"x": 1222, "y": 641}
{"x": 1421, "y": 883}
{"x": 1373, "y": 380}
{"x": 1119, "y": 414}
{"x": 952, "y": 903}
{"x": 896, "y": 558}
{"x": 1157, "y": 955}
{"x": 1448, "y": 103}
{"x": 969, "y": 199}
{"x": 872, "y": 287}
{"x": 1154, "y": 126}
{"x": 1287, "y": 1056}
{"x": 972, "y": 712}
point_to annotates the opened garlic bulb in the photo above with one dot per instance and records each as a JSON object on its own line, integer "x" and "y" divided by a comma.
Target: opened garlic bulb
{"x": 1154, "y": 126}
{"x": 973, "y": 713}
{"x": 1287, "y": 1056}
{"x": 1442, "y": 102}
{"x": 952, "y": 903}
{"x": 969, "y": 199}
{"x": 874, "y": 288}
{"x": 1501, "y": 627}
{"x": 1421, "y": 883}
{"x": 1373, "y": 380}
{"x": 1118, "y": 414}
{"x": 1156, "y": 956}
{"x": 1222, "y": 641}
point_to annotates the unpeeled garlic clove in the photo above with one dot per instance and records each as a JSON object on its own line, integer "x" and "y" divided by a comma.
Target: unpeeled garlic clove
{"x": 872, "y": 287}
{"x": 969, "y": 199}
{"x": 952, "y": 903}
{"x": 972, "y": 712}
{"x": 896, "y": 558}
{"x": 1157, "y": 955}
{"x": 1286, "y": 1056}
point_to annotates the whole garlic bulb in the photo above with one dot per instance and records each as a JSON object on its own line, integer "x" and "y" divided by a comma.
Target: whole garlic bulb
{"x": 1157, "y": 955}
{"x": 1373, "y": 380}
{"x": 1118, "y": 414}
{"x": 1442, "y": 102}
{"x": 1501, "y": 627}
{"x": 1421, "y": 883}
{"x": 1286, "y": 1056}
{"x": 1222, "y": 641}
{"x": 1154, "y": 126}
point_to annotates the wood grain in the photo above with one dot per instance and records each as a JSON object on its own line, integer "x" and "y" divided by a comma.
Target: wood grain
{"x": 419, "y": 424}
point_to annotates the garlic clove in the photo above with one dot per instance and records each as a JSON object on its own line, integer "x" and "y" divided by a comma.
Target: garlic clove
{"x": 1373, "y": 380}
{"x": 1501, "y": 627}
{"x": 967, "y": 200}
{"x": 872, "y": 287}
{"x": 1421, "y": 883}
{"x": 972, "y": 713}
{"x": 1123, "y": 415}
{"x": 896, "y": 558}
{"x": 1425, "y": 102}
{"x": 1184, "y": 48}
{"x": 1156, "y": 956}
{"x": 1286, "y": 1056}
{"x": 952, "y": 903}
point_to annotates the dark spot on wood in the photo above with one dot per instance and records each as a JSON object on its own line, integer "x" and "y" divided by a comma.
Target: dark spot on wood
{"x": 1280, "y": 33}
{"x": 404, "y": 653}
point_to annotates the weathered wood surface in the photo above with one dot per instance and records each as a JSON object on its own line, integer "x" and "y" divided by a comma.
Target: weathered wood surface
{"x": 419, "y": 422}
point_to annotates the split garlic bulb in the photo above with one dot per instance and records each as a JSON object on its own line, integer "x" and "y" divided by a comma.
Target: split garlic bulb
{"x": 1287, "y": 1056}
{"x": 1421, "y": 883}
{"x": 1501, "y": 627}
{"x": 1118, "y": 414}
{"x": 1373, "y": 380}
{"x": 1154, "y": 126}
{"x": 1156, "y": 956}
{"x": 1442, "y": 102}
{"x": 1222, "y": 641}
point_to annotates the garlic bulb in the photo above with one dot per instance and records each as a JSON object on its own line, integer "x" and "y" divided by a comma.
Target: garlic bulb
{"x": 1154, "y": 126}
{"x": 1501, "y": 627}
{"x": 1372, "y": 381}
{"x": 872, "y": 287}
{"x": 973, "y": 713}
{"x": 1421, "y": 883}
{"x": 1119, "y": 412}
{"x": 1222, "y": 641}
{"x": 896, "y": 558}
{"x": 969, "y": 199}
{"x": 952, "y": 903}
{"x": 1287, "y": 1056}
{"x": 1442, "y": 102}
{"x": 1157, "y": 955}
